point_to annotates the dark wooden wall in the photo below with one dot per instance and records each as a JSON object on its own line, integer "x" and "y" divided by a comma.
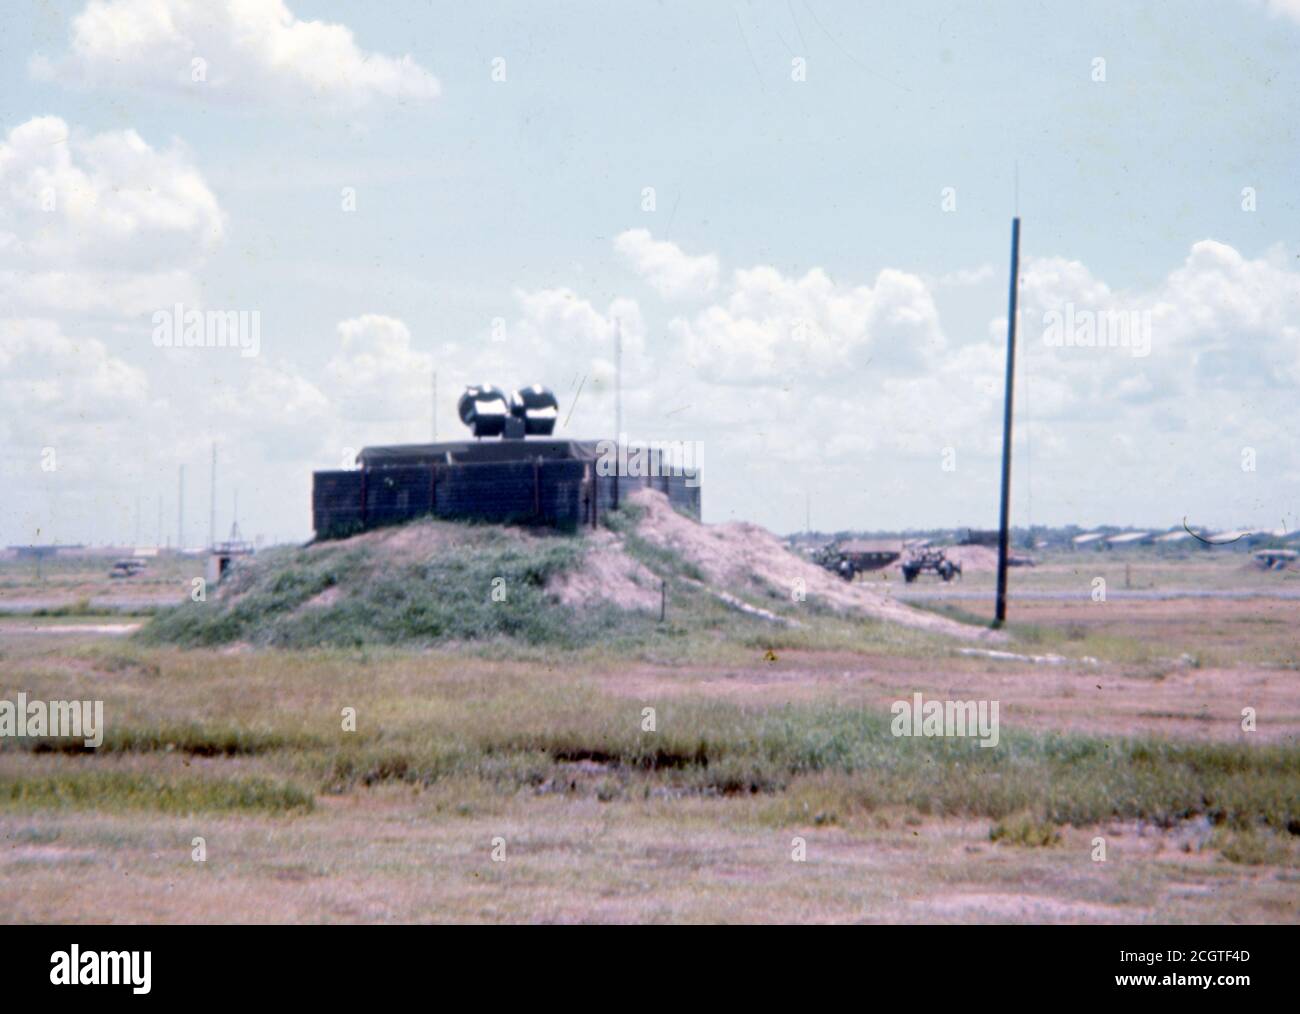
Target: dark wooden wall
{"x": 553, "y": 492}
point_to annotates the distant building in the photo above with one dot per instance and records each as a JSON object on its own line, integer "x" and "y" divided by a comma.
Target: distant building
{"x": 1242, "y": 538}
{"x": 1125, "y": 540}
{"x": 36, "y": 552}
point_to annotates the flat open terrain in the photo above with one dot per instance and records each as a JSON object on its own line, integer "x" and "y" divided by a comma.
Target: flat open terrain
{"x": 81, "y": 584}
{"x": 1119, "y": 721}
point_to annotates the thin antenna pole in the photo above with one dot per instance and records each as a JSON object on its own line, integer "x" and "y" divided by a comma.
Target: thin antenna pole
{"x": 1001, "y": 614}
{"x": 180, "y": 511}
{"x": 212, "y": 501}
{"x": 1029, "y": 454}
{"x": 618, "y": 400}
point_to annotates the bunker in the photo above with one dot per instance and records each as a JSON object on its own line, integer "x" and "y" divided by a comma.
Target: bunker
{"x": 525, "y": 476}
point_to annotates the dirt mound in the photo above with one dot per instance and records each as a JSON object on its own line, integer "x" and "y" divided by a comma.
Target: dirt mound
{"x": 973, "y": 558}
{"x": 419, "y": 538}
{"x": 735, "y": 554}
{"x": 434, "y": 581}
{"x": 607, "y": 574}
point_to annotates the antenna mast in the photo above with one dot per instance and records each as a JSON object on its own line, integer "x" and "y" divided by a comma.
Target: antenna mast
{"x": 212, "y": 501}
{"x": 180, "y": 511}
{"x": 618, "y": 401}
{"x": 1003, "y": 534}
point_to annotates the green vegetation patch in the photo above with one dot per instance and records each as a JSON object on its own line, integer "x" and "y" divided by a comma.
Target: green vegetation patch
{"x": 193, "y": 739}
{"x": 123, "y": 790}
{"x": 489, "y": 584}
{"x": 1033, "y": 782}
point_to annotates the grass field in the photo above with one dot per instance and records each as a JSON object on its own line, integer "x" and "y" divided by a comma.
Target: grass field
{"x": 536, "y": 749}
{"x": 1140, "y": 569}
{"x": 80, "y": 586}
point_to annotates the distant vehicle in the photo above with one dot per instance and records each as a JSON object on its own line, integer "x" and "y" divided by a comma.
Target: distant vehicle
{"x": 854, "y": 557}
{"x": 128, "y": 568}
{"x": 929, "y": 561}
{"x": 833, "y": 560}
{"x": 1275, "y": 559}
{"x": 857, "y": 556}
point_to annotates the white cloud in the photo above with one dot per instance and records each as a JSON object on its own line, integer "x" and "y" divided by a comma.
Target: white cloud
{"x": 558, "y": 315}
{"x": 98, "y": 293}
{"x": 1219, "y": 321}
{"x": 268, "y": 412}
{"x": 48, "y": 379}
{"x": 75, "y": 419}
{"x": 777, "y": 329}
{"x": 1285, "y": 8}
{"x": 870, "y": 397}
{"x": 378, "y": 382}
{"x": 859, "y": 408}
{"x": 666, "y": 268}
{"x": 861, "y": 383}
{"x": 1220, "y": 299}
{"x": 276, "y": 399}
{"x": 249, "y": 48}
{"x": 103, "y": 223}
{"x": 969, "y": 276}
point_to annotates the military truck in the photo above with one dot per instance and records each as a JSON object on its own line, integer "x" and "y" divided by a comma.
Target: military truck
{"x": 929, "y": 561}
{"x": 857, "y": 556}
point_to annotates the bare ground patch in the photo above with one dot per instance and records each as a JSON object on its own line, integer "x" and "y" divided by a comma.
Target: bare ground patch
{"x": 738, "y": 554}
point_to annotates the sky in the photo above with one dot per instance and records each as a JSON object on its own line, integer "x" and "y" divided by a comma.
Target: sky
{"x": 797, "y": 213}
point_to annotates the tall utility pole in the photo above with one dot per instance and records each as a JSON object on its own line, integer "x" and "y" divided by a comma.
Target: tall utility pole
{"x": 618, "y": 403}
{"x": 180, "y": 511}
{"x": 212, "y": 506}
{"x": 1003, "y": 533}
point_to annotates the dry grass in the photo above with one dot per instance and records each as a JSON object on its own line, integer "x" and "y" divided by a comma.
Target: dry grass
{"x": 399, "y": 855}
{"x": 763, "y": 736}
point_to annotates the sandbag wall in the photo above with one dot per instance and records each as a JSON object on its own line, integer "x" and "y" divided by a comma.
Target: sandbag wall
{"x": 543, "y": 491}
{"x": 611, "y": 490}
{"x": 555, "y": 492}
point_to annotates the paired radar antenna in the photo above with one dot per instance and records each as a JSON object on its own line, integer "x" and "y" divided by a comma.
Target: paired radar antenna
{"x": 488, "y": 412}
